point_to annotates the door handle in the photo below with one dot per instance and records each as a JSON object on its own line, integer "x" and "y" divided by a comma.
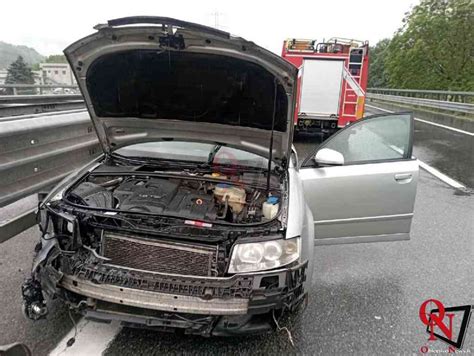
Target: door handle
{"x": 403, "y": 177}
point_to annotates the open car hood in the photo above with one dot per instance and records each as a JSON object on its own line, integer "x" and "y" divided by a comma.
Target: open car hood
{"x": 153, "y": 78}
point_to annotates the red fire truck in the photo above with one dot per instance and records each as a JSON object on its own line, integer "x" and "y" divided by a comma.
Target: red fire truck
{"x": 331, "y": 84}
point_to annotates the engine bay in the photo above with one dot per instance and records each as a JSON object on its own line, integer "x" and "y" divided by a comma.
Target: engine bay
{"x": 217, "y": 198}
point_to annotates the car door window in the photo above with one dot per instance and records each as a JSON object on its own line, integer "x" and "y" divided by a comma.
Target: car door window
{"x": 381, "y": 138}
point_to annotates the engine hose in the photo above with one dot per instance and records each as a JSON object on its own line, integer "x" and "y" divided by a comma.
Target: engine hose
{"x": 226, "y": 207}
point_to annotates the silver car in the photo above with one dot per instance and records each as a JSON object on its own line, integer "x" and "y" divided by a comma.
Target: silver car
{"x": 199, "y": 215}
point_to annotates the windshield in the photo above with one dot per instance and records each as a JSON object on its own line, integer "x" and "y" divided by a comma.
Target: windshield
{"x": 194, "y": 152}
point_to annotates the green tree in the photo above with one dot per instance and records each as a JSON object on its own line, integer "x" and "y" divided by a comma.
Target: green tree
{"x": 56, "y": 58}
{"x": 434, "y": 49}
{"x": 19, "y": 73}
{"x": 378, "y": 54}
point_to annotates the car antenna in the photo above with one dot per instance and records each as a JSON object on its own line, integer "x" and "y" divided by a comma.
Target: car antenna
{"x": 270, "y": 153}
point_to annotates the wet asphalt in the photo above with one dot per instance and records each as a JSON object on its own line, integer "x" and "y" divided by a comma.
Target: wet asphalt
{"x": 364, "y": 298}
{"x": 448, "y": 151}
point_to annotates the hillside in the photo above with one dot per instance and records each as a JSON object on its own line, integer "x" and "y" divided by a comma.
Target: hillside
{"x": 9, "y": 53}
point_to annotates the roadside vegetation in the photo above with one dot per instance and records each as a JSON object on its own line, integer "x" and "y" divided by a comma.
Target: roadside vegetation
{"x": 433, "y": 49}
{"x": 19, "y": 73}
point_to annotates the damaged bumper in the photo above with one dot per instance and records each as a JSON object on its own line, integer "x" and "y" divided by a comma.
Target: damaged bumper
{"x": 238, "y": 304}
{"x": 153, "y": 300}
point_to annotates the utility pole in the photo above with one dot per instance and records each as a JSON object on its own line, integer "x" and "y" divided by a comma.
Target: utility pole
{"x": 216, "y": 15}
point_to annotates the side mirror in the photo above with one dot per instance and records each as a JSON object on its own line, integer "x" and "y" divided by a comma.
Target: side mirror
{"x": 329, "y": 157}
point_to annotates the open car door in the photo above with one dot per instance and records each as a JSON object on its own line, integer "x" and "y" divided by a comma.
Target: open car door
{"x": 361, "y": 183}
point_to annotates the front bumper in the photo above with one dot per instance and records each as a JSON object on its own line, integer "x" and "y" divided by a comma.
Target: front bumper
{"x": 239, "y": 304}
{"x": 316, "y": 125}
{"x": 154, "y": 300}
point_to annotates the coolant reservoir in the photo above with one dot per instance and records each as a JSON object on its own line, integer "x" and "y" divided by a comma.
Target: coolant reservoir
{"x": 270, "y": 208}
{"x": 236, "y": 196}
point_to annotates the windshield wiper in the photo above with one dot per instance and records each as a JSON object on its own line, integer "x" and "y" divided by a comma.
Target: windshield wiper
{"x": 164, "y": 163}
{"x": 118, "y": 157}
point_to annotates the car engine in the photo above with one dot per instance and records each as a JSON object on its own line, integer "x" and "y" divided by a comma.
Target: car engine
{"x": 195, "y": 198}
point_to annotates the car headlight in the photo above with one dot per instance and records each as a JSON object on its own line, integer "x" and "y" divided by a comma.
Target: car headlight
{"x": 259, "y": 256}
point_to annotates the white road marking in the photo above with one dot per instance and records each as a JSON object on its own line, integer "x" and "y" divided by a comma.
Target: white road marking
{"x": 375, "y": 107}
{"x": 428, "y": 122}
{"x": 445, "y": 127}
{"x": 441, "y": 176}
{"x": 92, "y": 339}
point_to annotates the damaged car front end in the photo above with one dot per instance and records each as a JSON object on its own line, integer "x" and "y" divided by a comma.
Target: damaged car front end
{"x": 184, "y": 221}
{"x": 105, "y": 288}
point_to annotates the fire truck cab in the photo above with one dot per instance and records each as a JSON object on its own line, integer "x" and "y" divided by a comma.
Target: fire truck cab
{"x": 332, "y": 82}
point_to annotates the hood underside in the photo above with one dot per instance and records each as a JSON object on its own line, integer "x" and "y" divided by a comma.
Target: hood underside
{"x": 183, "y": 81}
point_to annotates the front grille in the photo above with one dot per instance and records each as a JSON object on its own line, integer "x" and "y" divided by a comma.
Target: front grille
{"x": 159, "y": 256}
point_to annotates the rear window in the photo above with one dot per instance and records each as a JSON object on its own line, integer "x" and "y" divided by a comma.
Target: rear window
{"x": 186, "y": 86}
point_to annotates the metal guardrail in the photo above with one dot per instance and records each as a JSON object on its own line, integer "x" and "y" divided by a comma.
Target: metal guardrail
{"x": 11, "y": 105}
{"x": 44, "y": 86}
{"x": 453, "y": 96}
{"x": 459, "y": 107}
{"x": 29, "y": 109}
{"x": 16, "y": 89}
{"x": 44, "y": 98}
{"x": 37, "y": 152}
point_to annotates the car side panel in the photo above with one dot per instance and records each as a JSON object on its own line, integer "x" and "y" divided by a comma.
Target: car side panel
{"x": 361, "y": 203}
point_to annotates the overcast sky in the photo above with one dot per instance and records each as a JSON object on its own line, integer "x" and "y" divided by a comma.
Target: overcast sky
{"x": 50, "y": 25}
